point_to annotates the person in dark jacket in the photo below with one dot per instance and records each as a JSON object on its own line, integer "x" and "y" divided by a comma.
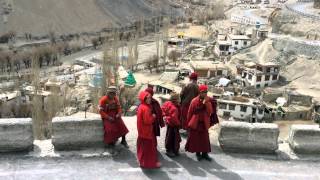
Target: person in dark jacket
{"x": 187, "y": 94}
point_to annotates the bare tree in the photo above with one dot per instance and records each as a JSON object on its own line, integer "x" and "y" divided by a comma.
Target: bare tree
{"x": 37, "y": 103}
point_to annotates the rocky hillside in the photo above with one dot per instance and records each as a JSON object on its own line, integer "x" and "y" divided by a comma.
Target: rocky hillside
{"x": 73, "y": 16}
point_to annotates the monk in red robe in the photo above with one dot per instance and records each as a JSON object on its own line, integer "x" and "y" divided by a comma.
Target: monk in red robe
{"x": 171, "y": 112}
{"x": 146, "y": 144}
{"x": 156, "y": 109}
{"x": 198, "y": 123}
{"x": 110, "y": 111}
{"x": 187, "y": 94}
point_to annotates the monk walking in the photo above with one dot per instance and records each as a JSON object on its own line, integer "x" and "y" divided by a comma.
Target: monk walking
{"x": 187, "y": 94}
{"x": 110, "y": 111}
{"x": 156, "y": 109}
{"x": 146, "y": 142}
{"x": 198, "y": 123}
{"x": 171, "y": 112}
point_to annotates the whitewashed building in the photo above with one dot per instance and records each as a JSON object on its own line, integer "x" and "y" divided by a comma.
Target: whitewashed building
{"x": 242, "y": 109}
{"x": 238, "y": 42}
{"x": 222, "y": 48}
{"x": 258, "y": 75}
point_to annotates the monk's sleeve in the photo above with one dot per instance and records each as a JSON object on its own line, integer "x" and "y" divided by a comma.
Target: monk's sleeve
{"x": 102, "y": 105}
{"x": 190, "y": 111}
{"x": 175, "y": 117}
{"x": 209, "y": 107}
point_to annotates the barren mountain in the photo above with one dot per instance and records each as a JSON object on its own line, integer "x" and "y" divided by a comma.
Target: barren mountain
{"x": 72, "y": 16}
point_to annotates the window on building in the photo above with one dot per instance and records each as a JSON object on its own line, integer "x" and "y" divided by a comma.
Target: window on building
{"x": 232, "y": 107}
{"x": 267, "y": 78}
{"x": 222, "y": 106}
{"x": 219, "y": 72}
{"x": 268, "y": 70}
{"x": 266, "y": 85}
{"x": 243, "y": 108}
{"x": 258, "y": 78}
{"x": 226, "y": 114}
{"x": 258, "y": 86}
{"x": 276, "y": 69}
{"x": 260, "y": 111}
{"x": 250, "y": 76}
{"x": 254, "y": 110}
{"x": 236, "y": 42}
{"x": 259, "y": 68}
{"x": 245, "y": 43}
{"x": 274, "y": 77}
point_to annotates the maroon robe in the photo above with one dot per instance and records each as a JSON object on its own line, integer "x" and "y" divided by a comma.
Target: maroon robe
{"x": 198, "y": 123}
{"x": 158, "y": 123}
{"x": 115, "y": 129}
{"x": 172, "y": 113}
{"x": 146, "y": 142}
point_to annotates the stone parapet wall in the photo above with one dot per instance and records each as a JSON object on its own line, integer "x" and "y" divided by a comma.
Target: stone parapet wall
{"x": 72, "y": 133}
{"x": 244, "y": 137}
{"x": 16, "y": 135}
{"x": 305, "y": 139}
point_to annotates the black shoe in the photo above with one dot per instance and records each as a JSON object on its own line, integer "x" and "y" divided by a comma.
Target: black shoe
{"x": 177, "y": 153}
{"x": 125, "y": 144}
{"x": 199, "y": 157}
{"x": 170, "y": 154}
{"x": 206, "y": 157}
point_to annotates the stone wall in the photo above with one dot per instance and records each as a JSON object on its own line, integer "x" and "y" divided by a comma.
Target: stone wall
{"x": 244, "y": 137}
{"x": 71, "y": 133}
{"x": 16, "y": 135}
{"x": 305, "y": 139}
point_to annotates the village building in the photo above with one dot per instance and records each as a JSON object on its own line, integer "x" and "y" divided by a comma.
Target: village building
{"x": 209, "y": 69}
{"x": 222, "y": 48}
{"x": 241, "y": 109}
{"x": 238, "y": 42}
{"x": 231, "y": 43}
{"x": 287, "y": 105}
{"x": 316, "y": 113}
{"x": 55, "y": 86}
{"x": 258, "y": 75}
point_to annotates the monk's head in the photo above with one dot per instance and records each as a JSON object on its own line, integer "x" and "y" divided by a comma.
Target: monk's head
{"x": 193, "y": 77}
{"x": 111, "y": 92}
{"x": 150, "y": 90}
{"x": 203, "y": 89}
{"x": 175, "y": 98}
{"x": 148, "y": 99}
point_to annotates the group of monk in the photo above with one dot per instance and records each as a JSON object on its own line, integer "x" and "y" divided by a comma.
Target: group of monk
{"x": 192, "y": 111}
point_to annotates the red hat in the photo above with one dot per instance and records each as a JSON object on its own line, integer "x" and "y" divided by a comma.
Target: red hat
{"x": 193, "y": 76}
{"x": 150, "y": 90}
{"x": 203, "y": 88}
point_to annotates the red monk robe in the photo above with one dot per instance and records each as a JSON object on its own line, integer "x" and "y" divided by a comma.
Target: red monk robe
{"x": 146, "y": 144}
{"x": 198, "y": 121}
{"x": 171, "y": 112}
{"x": 113, "y": 124}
